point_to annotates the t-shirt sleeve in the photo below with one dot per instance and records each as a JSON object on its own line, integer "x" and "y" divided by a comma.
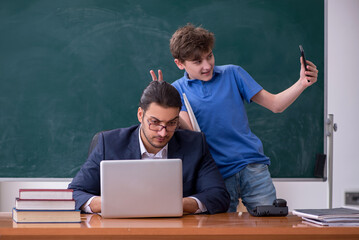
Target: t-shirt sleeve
{"x": 177, "y": 85}
{"x": 246, "y": 84}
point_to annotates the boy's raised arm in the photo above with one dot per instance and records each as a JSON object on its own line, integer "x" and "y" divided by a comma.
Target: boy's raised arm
{"x": 279, "y": 102}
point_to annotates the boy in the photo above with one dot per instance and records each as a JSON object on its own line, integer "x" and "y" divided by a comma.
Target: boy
{"x": 216, "y": 95}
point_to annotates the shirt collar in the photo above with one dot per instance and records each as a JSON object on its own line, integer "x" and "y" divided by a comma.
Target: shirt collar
{"x": 162, "y": 154}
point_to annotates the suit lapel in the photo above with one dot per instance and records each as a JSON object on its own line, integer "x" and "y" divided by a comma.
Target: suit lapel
{"x": 174, "y": 148}
{"x": 133, "y": 146}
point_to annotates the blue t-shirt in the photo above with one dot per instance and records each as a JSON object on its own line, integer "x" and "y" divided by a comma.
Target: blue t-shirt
{"x": 218, "y": 105}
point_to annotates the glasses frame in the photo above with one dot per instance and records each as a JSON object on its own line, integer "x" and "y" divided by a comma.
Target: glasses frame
{"x": 159, "y": 125}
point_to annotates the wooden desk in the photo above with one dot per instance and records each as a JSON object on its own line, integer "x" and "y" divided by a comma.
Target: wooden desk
{"x": 206, "y": 227}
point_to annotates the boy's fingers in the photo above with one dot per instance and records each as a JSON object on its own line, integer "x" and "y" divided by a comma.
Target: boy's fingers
{"x": 160, "y": 75}
{"x": 311, "y": 79}
{"x": 313, "y": 69}
{"x": 153, "y": 75}
{"x": 310, "y": 63}
{"x": 311, "y": 74}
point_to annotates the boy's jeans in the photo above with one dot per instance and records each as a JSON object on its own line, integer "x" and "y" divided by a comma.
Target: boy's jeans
{"x": 253, "y": 184}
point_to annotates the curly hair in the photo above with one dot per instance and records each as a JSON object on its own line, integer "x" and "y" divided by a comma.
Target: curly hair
{"x": 190, "y": 43}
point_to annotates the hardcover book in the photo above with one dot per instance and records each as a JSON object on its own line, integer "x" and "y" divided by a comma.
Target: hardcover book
{"x": 329, "y": 217}
{"x": 44, "y": 204}
{"x": 46, "y": 216}
{"x": 58, "y": 194}
{"x": 326, "y": 214}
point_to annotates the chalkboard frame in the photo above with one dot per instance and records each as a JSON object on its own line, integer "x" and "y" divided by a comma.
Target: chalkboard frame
{"x": 69, "y": 25}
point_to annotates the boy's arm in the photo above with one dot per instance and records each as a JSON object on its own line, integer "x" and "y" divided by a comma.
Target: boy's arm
{"x": 184, "y": 121}
{"x": 279, "y": 102}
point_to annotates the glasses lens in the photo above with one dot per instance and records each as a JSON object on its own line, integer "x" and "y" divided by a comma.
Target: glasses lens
{"x": 158, "y": 128}
{"x": 155, "y": 127}
{"x": 171, "y": 128}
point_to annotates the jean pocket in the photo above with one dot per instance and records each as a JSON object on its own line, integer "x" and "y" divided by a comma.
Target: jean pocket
{"x": 257, "y": 167}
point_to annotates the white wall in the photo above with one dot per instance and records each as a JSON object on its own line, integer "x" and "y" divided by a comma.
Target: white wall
{"x": 296, "y": 193}
{"x": 343, "y": 84}
{"x": 343, "y": 96}
{"x": 10, "y": 190}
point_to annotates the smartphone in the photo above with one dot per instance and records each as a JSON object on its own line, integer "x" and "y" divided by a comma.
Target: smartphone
{"x": 302, "y": 54}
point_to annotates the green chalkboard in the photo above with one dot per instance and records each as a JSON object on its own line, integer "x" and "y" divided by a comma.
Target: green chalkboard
{"x": 71, "y": 68}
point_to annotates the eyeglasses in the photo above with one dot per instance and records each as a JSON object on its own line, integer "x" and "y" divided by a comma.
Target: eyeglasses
{"x": 155, "y": 126}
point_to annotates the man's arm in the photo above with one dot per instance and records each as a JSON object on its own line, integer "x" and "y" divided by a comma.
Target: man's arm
{"x": 86, "y": 183}
{"x": 279, "y": 102}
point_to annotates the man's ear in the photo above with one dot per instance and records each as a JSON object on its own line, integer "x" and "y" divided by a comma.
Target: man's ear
{"x": 140, "y": 114}
{"x": 179, "y": 64}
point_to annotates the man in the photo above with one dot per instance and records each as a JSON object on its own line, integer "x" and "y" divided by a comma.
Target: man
{"x": 156, "y": 137}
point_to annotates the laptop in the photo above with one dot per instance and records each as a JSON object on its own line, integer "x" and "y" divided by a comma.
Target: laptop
{"x": 141, "y": 188}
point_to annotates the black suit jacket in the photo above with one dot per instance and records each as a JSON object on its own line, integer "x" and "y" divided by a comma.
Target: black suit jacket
{"x": 201, "y": 178}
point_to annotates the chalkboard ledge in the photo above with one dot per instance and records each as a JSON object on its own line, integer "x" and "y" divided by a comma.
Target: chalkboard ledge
{"x": 35, "y": 179}
{"x": 299, "y": 179}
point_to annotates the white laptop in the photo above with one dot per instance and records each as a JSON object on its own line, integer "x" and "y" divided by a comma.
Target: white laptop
{"x": 141, "y": 188}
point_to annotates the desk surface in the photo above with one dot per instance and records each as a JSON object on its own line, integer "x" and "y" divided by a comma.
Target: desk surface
{"x": 218, "y": 226}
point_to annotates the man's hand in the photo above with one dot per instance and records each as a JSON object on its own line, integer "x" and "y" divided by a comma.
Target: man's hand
{"x": 154, "y": 77}
{"x": 189, "y": 205}
{"x": 95, "y": 205}
{"x": 310, "y": 76}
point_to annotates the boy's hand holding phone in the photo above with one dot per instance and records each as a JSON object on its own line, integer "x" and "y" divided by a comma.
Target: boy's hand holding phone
{"x": 308, "y": 70}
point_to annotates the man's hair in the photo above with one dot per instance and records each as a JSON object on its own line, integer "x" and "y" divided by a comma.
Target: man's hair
{"x": 190, "y": 43}
{"x": 162, "y": 93}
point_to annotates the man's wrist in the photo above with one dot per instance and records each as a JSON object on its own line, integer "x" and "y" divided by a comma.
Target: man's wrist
{"x": 95, "y": 204}
{"x": 86, "y": 207}
{"x": 201, "y": 207}
{"x": 190, "y": 205}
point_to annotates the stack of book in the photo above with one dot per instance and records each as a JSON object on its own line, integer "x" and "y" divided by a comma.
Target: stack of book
{"x": 45, "y": 206}
{"x": 329, "y": 217}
